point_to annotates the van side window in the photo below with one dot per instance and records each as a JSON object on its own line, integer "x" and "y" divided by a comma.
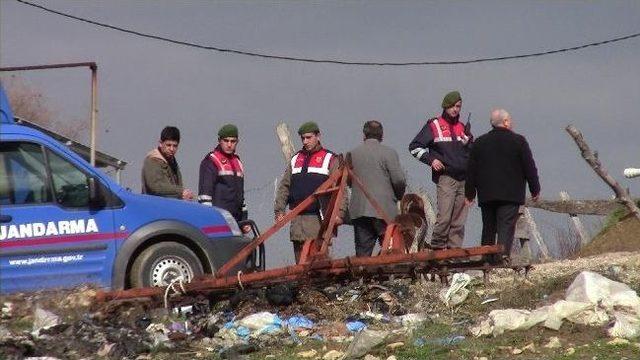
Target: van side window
{"x": 70, "y": 185}
{"x": 23, "y": 176}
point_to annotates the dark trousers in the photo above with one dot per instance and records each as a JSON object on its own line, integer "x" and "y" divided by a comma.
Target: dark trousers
{"x": 499, "y": 218}
{"x": 367, "y": 230}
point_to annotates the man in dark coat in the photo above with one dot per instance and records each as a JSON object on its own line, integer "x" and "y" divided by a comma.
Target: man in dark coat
{"x": 500, "y": 164}
{"x": 221, "y": 178}
{"x": 378, "y": 166}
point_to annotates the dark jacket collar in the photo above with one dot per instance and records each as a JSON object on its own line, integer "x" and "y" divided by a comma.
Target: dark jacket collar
{"x": 449, "y": 119}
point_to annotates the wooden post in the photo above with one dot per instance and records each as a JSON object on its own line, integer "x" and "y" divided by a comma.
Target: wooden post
{"x": 535, "y": 234}
{"x": 622, "y": 195}
{"x": 577, "y": 224}
{"x": 431, "y": 218}
{"x": 282, "y": 130}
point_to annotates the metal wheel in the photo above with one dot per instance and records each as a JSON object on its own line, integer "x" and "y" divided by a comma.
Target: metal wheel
{"x": 162, "y": 263}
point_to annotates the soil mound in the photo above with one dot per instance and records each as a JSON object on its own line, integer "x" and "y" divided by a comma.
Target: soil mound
{"x": 623, "y": 236}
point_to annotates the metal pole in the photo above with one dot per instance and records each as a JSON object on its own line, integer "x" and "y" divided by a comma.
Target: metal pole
{"x": 94, "y": 93}
{"x": 94, "y": 110}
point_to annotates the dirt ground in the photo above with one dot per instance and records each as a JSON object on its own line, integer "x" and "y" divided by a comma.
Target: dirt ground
{"x": 623, "y": 236}
{"x": 119, "y": 329}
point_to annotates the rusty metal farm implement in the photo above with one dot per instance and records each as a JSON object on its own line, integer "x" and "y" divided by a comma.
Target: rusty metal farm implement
{"x": 316, "y": 266}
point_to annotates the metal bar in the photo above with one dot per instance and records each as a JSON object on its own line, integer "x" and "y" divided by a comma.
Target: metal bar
{"x": 249, "y": 248}
{"x": 50, "y": 66}
{"x": 94, "y": 112}
{"x": 337, "y": 203}
{"x": 94, "y": 94}
{"x": 313, "y": 272}
{"x": 374, "y": 203}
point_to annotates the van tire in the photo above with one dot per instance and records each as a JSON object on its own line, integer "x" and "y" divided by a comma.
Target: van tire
{"x": 162, "y": 263}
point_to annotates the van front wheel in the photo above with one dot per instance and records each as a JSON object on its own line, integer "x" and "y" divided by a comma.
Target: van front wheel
{"x": 163, "y": 263}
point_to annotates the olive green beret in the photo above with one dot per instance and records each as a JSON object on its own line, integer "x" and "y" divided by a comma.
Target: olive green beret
{"x": 451, "y": 99}
{"x": 308, "y": 127}
{"x": 228, "y": 130}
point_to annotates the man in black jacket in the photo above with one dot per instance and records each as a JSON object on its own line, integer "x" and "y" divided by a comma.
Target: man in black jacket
{"x": 499, "y": 166}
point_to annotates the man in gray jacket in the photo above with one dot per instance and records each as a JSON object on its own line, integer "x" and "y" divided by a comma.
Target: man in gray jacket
{"x": 378, "y": 166}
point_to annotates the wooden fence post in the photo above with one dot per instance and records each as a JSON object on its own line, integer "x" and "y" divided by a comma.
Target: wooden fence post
{"x": 431, "y": 218}
{"x": 577, "y": 224}
{"x": 282, "y": 130}
{"x": 535, "y": 234}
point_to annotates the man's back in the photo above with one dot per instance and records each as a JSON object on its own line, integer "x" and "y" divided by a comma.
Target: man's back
{"x": 378, "y": 166}
{"x": 500, "y": 165}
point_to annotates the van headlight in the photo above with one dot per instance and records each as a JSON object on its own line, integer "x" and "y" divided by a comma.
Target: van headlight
{"x": 231, "y": 221}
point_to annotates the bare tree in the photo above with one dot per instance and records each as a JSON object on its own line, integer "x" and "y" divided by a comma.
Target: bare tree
{"x": 29, "y": 104}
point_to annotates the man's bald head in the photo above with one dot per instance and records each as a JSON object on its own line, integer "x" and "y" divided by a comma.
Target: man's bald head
{"x": 500, "y": 118}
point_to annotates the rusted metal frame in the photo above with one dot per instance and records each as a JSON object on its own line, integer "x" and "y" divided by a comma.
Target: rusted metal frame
{"x": 249, "y": 248}
{"x": 336, "y": 204}
{"x": 317, "y": 270}
{"x": 393, "y": 242}
{"x": 372, "y": 201}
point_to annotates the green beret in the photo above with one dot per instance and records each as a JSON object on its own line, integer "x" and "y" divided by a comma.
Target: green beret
{"x": 451, "y": 99}
{"x": 308, "y": 127}
{"x": 228, "y": 130}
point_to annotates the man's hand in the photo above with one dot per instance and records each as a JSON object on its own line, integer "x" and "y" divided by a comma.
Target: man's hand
{"x": 535, "y": 197}
{"x": 279, "y": 217}
{"x": 187, "y": 194}
{"x": 437, "y": 165}
{"x": 468, "y": 202}
{"x": 339, "y": 220}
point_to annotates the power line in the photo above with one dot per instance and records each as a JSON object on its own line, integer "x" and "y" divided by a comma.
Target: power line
{"x": 329, "y": 61}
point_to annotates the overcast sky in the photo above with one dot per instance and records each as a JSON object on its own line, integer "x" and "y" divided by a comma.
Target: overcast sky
{"x": 146, "y": 84}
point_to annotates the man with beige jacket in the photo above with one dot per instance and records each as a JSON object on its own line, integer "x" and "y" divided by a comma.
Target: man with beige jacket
{"x": 160, "y": 171}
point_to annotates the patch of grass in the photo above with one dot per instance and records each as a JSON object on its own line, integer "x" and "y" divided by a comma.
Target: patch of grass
{"x": 21, "y": 324}
{"x": 615, "y": 217}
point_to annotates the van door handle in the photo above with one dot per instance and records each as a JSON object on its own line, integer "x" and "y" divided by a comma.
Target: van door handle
{"x": 5, "y": 218}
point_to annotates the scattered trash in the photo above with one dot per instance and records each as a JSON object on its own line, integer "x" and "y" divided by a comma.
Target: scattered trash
{"x": 262, "y": 322}
{"x": 456, "y": 293}
{"x": 159, "y": 334}
{"x": 7, "y": 310}
{"x": 593, "y": 288}
{"x": 489, "y": 300}
{"x": 43, "y": 320}
{"x": 356, "y": 326}
{"x": 626, "y": 326}
{"x": 364, "y": 341}
{"x": 589, "y": 300}
{"x": 183, "y": 310}
{"x": 412, "y": 320}
{"x": 299, "y": 322}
